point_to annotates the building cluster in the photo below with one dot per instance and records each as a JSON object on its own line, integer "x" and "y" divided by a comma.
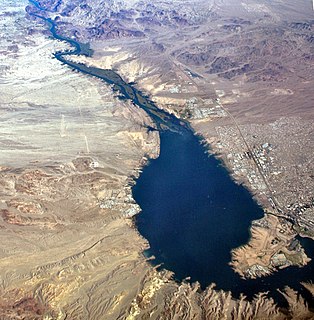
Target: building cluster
{"x": 279, "y": 153}
{"x": 122, "y": 202}
{"x": 200, "y": 110}
{"x": 239, "y": 159}
{"x": 284, "y": 150}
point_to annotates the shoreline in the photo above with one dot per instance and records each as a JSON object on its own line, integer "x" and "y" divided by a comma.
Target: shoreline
{"x": 231, "y": 175}
{"x": 266, "y": 209}
{"x": 220, "y": 159}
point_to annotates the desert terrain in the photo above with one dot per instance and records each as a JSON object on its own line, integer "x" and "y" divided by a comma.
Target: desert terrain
{"x": 239, "y": 72}
{"x": 68, "y": 150}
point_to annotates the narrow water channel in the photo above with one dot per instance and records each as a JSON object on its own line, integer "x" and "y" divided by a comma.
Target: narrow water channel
{"x": 193, "y": 214}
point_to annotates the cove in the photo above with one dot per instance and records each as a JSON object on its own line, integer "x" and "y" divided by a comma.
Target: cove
{"x": 193, "y": 213}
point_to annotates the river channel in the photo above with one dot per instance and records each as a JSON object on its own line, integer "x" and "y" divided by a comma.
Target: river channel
{"x": 193, "y": 213}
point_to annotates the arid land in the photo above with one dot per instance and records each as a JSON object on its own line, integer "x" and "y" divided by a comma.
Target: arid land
{"x": 70, "y": 151}
{"x": 241, "y": 73}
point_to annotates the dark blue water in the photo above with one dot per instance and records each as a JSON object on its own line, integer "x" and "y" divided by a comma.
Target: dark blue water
{"x": 193, "y": 214}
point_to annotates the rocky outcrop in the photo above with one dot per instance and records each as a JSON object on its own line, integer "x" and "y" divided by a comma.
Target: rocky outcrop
{"x": 111, "y": 19}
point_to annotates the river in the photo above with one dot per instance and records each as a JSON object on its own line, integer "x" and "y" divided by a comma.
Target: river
{"x": 193, "y": 214}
